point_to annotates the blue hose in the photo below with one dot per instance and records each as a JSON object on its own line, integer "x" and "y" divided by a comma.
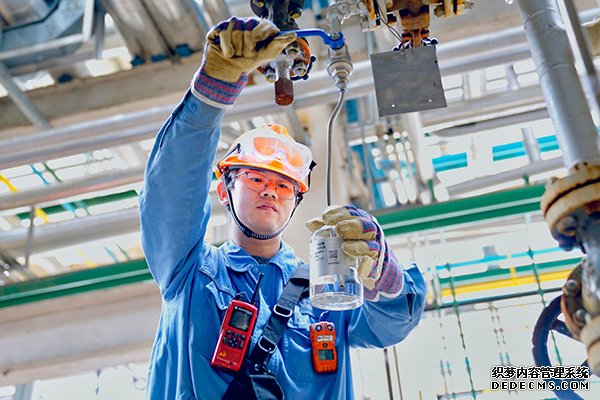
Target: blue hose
{"x": 546, "y": 322}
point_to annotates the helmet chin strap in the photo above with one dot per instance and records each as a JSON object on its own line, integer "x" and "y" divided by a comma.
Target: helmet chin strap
{"x": 249, "y": 232}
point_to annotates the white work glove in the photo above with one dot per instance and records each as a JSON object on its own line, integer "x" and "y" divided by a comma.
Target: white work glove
{"x": 231, "y": 53}
{"x": 363, "y": 239}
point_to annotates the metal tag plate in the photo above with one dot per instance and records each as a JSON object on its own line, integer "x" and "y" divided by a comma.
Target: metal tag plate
{"x": 407, "y": 80}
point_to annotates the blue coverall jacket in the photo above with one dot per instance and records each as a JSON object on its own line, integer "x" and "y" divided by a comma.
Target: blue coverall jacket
{"x": 197, "y": 281}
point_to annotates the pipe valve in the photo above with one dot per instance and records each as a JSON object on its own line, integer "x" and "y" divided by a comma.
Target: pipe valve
{"x": 339, "y": 66}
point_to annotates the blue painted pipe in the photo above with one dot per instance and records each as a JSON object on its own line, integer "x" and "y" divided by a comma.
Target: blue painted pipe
{"x": 327, "y": 38}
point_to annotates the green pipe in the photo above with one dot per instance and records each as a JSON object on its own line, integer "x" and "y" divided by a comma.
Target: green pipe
{"x": 74, "y": 283}
{"x": 455, "y": 212}
{"x": 87, "y": 202}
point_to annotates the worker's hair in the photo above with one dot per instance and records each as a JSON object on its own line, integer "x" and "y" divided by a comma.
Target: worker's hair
{"x": 228, "y": 178}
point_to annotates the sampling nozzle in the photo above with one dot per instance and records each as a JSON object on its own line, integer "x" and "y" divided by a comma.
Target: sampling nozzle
{"x": 339, "y": 66}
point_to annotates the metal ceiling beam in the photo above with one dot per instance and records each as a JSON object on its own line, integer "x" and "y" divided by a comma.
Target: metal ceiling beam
{"x": 146, "y": 82}
{"x": 109, "y": 90}
{"x": 21, "y": 100}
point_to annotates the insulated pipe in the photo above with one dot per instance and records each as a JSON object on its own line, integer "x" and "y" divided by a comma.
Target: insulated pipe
{"x": 83, "y": 130}
{"x": 504, "y": 177}
{"x": 552, "y": 56}
{"x": 494, "y": 123}
{"x": 490, "y": 42}
{"x": 68, "y": 233}
{"x": 62, "y": 149}
{"x": 581, "y": 49}
{"x": 87, "y": 136}
{"x": 493, "y": 106}
{"x": 80, "y": 230}
{"x": 72, "y": 188}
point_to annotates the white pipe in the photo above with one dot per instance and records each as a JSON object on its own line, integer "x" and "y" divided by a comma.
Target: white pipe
{"x": 68, "y": 233}
{"x": 494, "y": 123}
{"x": 575, "y": 130}
{"x": 93, "y": 183}
{"x": 80, "y": 230}
{"x": 505, "y": 177}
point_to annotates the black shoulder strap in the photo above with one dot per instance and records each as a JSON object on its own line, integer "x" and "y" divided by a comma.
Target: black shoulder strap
{"x": 254, "y": 380}
{"x": 282, "y": 311}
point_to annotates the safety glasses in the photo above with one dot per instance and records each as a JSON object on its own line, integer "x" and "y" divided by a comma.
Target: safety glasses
{"x": 258, "y": 182}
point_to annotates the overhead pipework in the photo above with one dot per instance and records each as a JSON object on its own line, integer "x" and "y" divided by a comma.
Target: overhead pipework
{"x": 408, "y": 78}
{"x": 156, "y": 30}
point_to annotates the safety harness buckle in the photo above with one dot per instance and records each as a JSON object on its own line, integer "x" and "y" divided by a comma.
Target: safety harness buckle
{"x": 266, "y": 345}
{"x": 281, "y": 311}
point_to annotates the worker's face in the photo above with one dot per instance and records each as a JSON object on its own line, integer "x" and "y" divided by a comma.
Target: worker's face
{"x": 263, "y": 200}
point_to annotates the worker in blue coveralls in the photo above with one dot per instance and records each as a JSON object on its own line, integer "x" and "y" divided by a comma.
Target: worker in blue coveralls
{"x": 262, "y": 180}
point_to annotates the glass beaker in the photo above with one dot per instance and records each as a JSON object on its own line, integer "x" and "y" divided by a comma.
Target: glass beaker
{"x": 334, "y": 282}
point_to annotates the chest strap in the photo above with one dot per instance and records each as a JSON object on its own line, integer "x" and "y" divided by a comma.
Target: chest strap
{"x": 254, "y": 380}
{"x": 282, "y": 311}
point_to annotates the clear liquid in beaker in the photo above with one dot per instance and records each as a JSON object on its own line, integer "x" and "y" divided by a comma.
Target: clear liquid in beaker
{"x": 334, "y": 282}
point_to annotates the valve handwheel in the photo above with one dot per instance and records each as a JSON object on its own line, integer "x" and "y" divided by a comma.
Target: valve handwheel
{"x": 548, "y": 321}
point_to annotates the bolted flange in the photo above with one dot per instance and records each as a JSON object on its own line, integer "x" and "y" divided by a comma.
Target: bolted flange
{"x": 580, "y": 190}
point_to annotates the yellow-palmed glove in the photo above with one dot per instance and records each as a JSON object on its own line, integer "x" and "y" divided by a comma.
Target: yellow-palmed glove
{"x": 363, "y": 239}
{"x": 233, "y": 49}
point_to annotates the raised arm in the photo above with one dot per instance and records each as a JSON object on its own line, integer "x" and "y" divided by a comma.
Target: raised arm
{"x": 174, "y": 204}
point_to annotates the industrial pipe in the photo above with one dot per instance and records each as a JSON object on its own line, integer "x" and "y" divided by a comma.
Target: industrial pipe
{"x": 552, "y": 56}
{"x": 87, "y": 184}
